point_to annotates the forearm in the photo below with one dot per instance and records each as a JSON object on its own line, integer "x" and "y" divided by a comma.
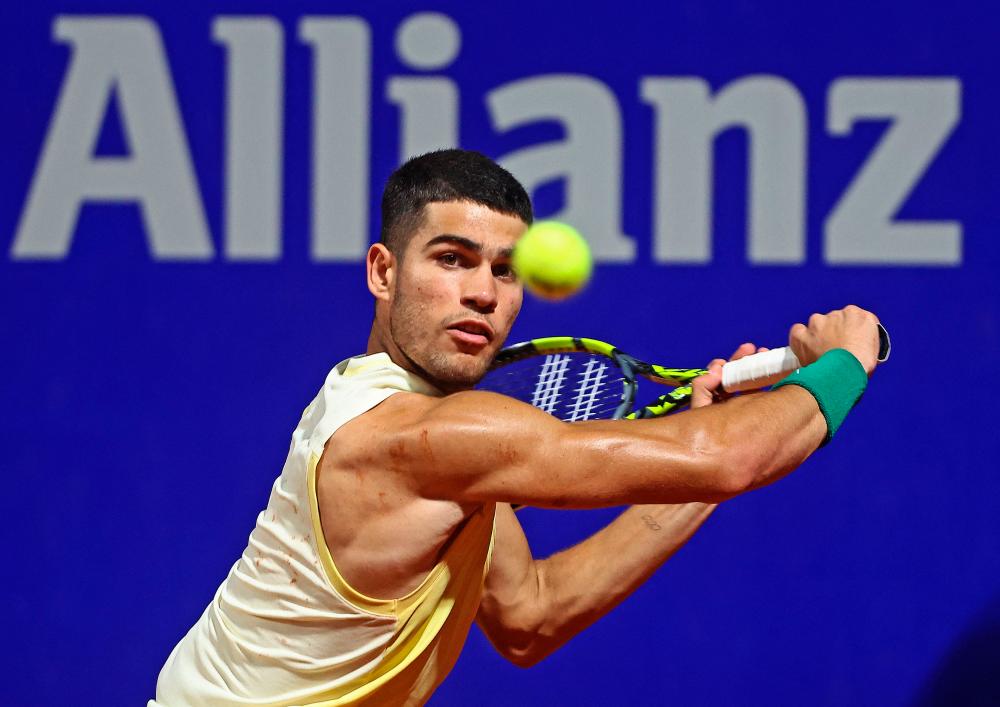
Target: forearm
{"x": 706, "y": 455}
{"x": 767, "y": 436}
{"x": 583, "y": 583}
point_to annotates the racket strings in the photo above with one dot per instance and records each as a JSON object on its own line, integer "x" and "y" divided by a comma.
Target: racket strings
{"x": 588, "y": 390}
{"x": 572, "y": 387}
{"x": 549, "y": 384}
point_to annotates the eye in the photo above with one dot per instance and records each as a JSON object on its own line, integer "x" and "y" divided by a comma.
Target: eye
{"x": 449, "y": 259}
{"x": 504, "y": 271}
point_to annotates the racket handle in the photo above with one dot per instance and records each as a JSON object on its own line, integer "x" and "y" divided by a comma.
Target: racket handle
{"x": 759, "y": 370}
{"x": 766, "y": 368}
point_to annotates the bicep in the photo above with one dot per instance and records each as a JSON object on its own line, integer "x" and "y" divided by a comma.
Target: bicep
{"x": 512, "y": 565}
{"x": 511, "y": 603}
{"x": 477, "y": 447}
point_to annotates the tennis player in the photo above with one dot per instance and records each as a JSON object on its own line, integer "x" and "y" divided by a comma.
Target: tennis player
{"x": 390, "y": 529}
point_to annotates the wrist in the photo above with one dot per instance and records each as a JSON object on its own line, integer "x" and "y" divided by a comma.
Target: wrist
{"x": 836, "y": 380}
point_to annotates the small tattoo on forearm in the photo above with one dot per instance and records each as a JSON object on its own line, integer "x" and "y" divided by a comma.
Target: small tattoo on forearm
{"x": 651, "y": 524}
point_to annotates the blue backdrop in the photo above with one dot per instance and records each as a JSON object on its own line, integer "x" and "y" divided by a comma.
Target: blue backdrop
{"x": 187, "y": 192}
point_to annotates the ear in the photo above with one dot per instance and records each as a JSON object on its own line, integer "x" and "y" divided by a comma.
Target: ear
{"x": 381, "y": 271}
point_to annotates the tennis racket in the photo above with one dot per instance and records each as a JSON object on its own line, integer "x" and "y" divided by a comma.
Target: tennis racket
{"x": 578, "y": 379}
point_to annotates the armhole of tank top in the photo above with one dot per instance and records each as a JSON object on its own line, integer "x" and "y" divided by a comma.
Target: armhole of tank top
{"x": 393, "y": 608}
{"x": 489, "y": 551}
{"x": 381, "y": 607}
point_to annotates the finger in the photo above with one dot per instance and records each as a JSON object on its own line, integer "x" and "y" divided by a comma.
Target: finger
{"x": 703, "y": 387}
{"x": 744, "y": 350}
{"x": 802, "y": 341}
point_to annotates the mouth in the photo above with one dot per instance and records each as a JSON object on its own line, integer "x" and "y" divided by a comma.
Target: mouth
{"x": 472, "y": 332}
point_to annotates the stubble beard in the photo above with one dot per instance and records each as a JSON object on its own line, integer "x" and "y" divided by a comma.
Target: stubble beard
{"x": 449, "y": 372}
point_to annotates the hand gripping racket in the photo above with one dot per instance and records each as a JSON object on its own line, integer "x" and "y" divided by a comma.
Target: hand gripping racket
{"x": 579, "y": 379}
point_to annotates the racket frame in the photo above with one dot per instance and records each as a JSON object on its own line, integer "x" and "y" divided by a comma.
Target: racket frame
{"x": 630, "y": 367}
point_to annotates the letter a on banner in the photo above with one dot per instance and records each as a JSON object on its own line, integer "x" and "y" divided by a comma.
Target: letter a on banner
{"x": 589, "y": 158}
{"x": 123, "y": 55}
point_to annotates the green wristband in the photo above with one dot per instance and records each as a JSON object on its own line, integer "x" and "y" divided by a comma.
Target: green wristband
{"x": 837, "y": 381}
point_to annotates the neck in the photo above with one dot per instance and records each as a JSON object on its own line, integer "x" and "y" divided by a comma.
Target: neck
{"x": 375, "y": 344}
{"x": 379, "y": 341}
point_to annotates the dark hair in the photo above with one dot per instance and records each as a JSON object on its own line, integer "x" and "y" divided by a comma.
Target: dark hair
{"x": 446, "y": 175}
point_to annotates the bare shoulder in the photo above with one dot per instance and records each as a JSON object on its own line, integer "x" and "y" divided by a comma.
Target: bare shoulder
{"x": 406, "y": 408}
{"x": 389, "y": 429}
{"x": 407, "y": 419}
{"x": 430, "y": 443}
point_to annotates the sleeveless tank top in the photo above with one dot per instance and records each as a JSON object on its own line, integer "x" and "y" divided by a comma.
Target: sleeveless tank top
{"x": 286, "y": 629}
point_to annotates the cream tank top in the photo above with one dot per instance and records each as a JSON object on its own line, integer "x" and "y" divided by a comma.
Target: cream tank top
{"x": 286, "y": 629}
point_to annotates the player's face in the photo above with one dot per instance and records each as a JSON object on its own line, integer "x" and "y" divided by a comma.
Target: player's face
{"x": 456, "y": 296}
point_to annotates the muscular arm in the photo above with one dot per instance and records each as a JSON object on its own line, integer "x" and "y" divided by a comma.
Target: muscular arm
{"x": 532, "y": 607}
{"x": 477, "y": 447}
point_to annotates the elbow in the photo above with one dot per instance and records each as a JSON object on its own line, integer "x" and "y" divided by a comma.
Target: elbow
{"x": 522, "y": 649}
{"x": 523, "y": 657}
{"x": 523, "y": 645}
{"x": 519, "y": 636}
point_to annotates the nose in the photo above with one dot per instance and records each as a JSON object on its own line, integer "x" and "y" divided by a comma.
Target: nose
{"x": 480, "y": 290}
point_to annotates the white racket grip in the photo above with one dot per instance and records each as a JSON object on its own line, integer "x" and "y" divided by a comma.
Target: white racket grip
{"x": 759, "y": 369}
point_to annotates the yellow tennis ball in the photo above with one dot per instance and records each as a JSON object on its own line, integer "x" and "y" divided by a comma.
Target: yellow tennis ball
{"x": 553, "y": 260}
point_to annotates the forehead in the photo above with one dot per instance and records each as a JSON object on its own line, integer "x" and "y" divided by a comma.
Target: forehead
{"x": 491, "y": 229}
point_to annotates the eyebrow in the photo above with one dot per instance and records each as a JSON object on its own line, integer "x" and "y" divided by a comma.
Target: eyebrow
{"x": 467, "y": 243}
